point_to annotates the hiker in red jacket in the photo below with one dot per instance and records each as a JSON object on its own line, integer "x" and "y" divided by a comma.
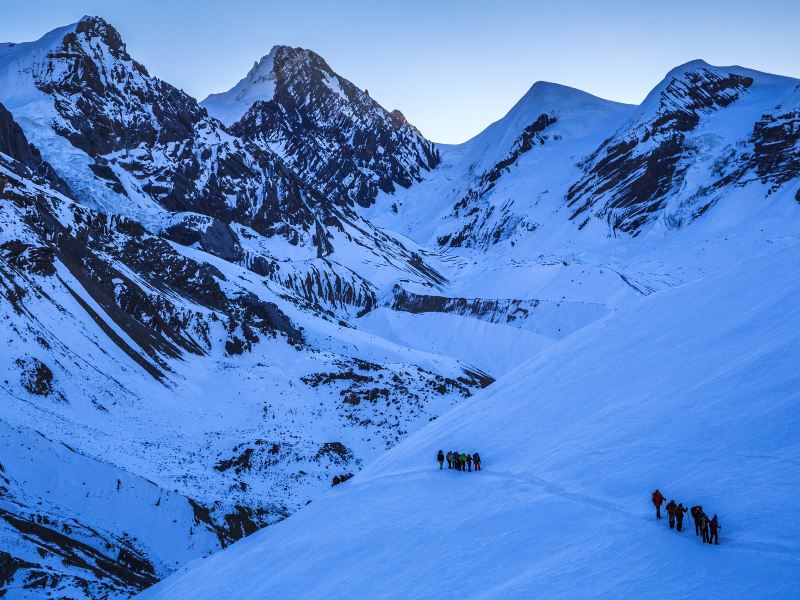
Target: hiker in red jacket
{"x": 469, "y": 462}
{"x": 671, "y": 508}
{"x": 658, "y": 500}
{"x": 713, "y": 527}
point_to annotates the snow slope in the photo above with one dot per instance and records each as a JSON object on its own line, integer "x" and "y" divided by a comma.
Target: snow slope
{"x": 693, "y": 390}
{"x": 257, "y": 86}
{"x": 491, "y": 186}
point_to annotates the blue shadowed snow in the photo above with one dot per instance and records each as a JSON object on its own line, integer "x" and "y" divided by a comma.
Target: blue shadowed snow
{"x": 694, "y": 390}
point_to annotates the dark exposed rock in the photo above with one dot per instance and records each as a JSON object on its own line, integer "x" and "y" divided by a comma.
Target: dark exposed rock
{"x": 212, "y": 235}
{"x": 9, "y": 565}
{"x": 243, "y": 522}
{"x": 35, "y": 376}
{"x": 776, "y": 145}
{"x": 39, "y": 261}
{"x": 238, "y": 463}
{"x": 529, "y": 137}
{"x": 335, "y": 451}
{"x": 133, "y": 572}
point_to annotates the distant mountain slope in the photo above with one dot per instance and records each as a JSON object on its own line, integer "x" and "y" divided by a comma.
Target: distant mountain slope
{"x": 332, "y": 134}
{"x": 131, "y": 143}
{"x": 693, "y": 391}
{"x": 686, "y": 142}
{"x": 565, "y": 167}
{"x": 522, "y": 162}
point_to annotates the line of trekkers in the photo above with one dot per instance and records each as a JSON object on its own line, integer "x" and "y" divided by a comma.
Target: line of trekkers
{"x": 703, "y": 526}
{"x": 460, "y": 461}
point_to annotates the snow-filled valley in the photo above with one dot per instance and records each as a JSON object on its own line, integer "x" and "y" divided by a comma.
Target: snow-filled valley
{"x": 211, "y": 309}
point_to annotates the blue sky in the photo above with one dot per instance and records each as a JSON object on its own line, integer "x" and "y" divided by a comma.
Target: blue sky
{"x": 452, "y": 67}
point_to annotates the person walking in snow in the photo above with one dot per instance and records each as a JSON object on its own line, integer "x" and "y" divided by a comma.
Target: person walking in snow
{"x": 463, "y": 462}
{"x": 449, "y": 459}
{"x": 440, "y": 458}
{"x": 476, "y": 459}
{"x": 671, "y": 513}
{"x": 658, "y": 500}
{"x": 713, "y": 530}
{"x": 680, "y": 511}
{"x": 703, "y": 525}
{"x": 695, "y": 512}
{"x": 469, "y": 462}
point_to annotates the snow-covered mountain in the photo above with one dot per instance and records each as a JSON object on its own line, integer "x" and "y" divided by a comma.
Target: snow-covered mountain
{"x": 332, "y": 134}
{"x": 212, "y": 309}
{"x": 690, "y": 140}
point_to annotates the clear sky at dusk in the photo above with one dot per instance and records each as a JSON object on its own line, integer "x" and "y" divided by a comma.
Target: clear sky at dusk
{"x": 452, "y": 67}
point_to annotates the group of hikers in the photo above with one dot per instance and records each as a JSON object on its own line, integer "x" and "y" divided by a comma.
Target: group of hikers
{"x": 703, "y": 526}
{"x": 460, "y": 461}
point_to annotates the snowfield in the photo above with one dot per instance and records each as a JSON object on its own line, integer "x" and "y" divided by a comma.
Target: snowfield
{"x": 694, "y": 390}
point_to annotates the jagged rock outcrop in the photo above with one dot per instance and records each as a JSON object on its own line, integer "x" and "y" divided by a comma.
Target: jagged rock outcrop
{"x": 150, "y": 142}
{"x": 332, "y": 134}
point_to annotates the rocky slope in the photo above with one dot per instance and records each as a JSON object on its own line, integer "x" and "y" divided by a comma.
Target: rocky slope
{"x": 331, "y": 133}
{"x": 684, "y": 145}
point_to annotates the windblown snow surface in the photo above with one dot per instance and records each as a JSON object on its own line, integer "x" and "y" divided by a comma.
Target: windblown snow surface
{"x": 694, "y": 390}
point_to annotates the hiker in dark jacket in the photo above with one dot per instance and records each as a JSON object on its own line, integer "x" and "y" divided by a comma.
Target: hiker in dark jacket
{"x": 713, "y": 530}
{"x": 658, "y": 500}
{"x": 476, "y": 458}
{"x": 456, "y": 462}
{"x": 440, "y": 458}
{"x": 469, "y": 462}
{"x": 695, "y": 512}
{"x": 671, "y": 513}
{"x": 449, "y": 459}
{"x": 680, "y": 511}
{"x": 703, "y": 525}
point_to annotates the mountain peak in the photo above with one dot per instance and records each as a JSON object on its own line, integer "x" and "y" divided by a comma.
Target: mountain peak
{"x": 99, "y": 27}
{"x": 280, "y": 64}
{"x": 257, "y": 85}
